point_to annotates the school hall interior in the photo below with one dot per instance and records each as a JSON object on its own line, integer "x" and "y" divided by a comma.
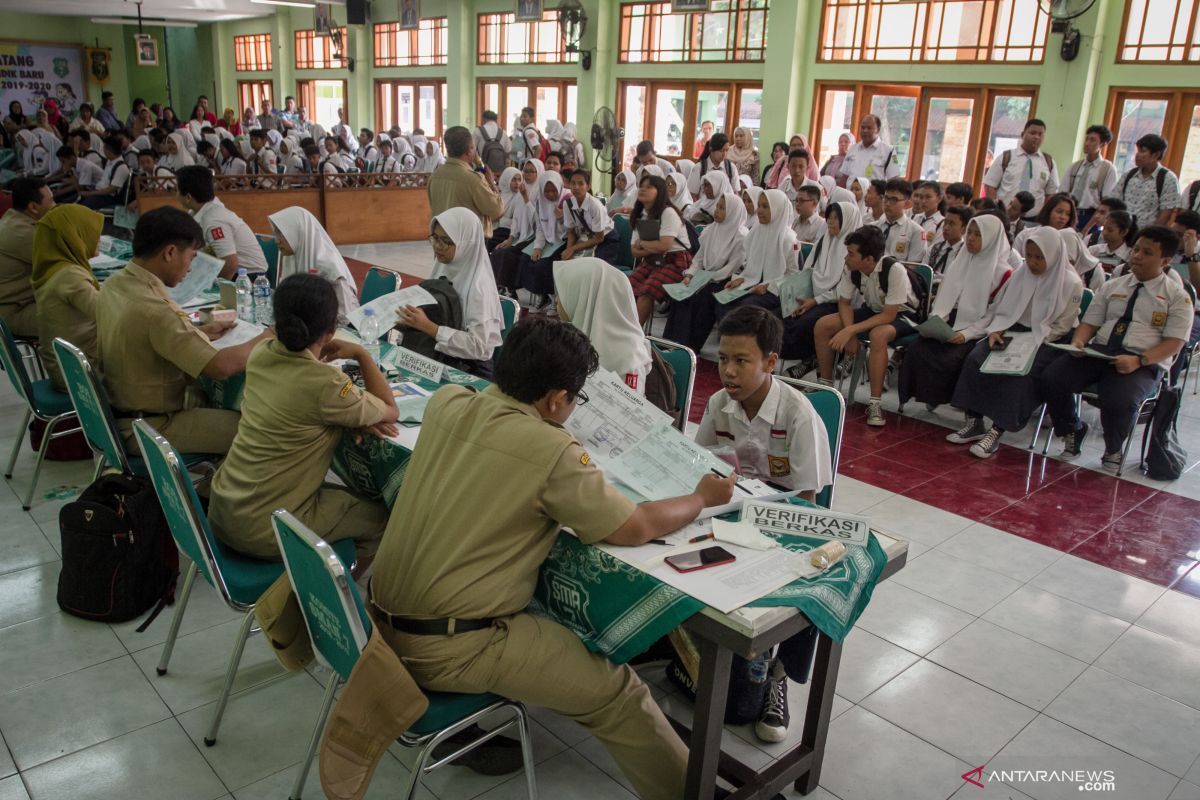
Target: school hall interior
{"x": 1025, "y": 623}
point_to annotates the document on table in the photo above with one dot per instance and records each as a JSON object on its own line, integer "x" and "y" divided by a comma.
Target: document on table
{"x": 615, "y": 417}
{"x": 729, "y": 295}
{"x": 1087, "y": 351}
{"x": 682, "y": 291}
{"x": 103, "y": 263}
{"x": 385, "y": 307}
{"x": 410, "y": 400}
{"x": 200, "y": 277}
{"x": 240, "y": 333}
{"x": 1016, "y": 359}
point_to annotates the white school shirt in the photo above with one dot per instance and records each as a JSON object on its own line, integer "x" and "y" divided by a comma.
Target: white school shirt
{"x": 389, "y": 164}
{"x": 671, "y": 225}
{"x": 1042, "y": 178}
{"x": 234, "y": 166}
{"x": 786, "y": 187}
{"x": 811, "y": 229}
{"x": 786, "y": 442}
{"x": 492, "y": 131}
{"x": 1142, "y": 199}
{"x": 905, "y": 239}
{"x": 899, "y": 291}
{"x": 369, "y": 154}
{"x": 695, "y": 179}
{"x": 263, "y": 162}
{"x": 942, "y": 255}
{"x": 1163, "y": 311}
{"x": 587, "y": 219}
{"x": 879, "y": 161}
{"x": 95, "y": 157}
{"x": 116, "y": 173}
{"x": 87, "y": 174}
{"x": 1089, "y": 182}
{"x": 932, "y": 225}
{"x": 1112, "y": 258}
{"x": 226, "y": 234}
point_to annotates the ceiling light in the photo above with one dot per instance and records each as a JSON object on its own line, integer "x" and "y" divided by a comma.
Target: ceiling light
{"x": 158, "y": 23}
{"x": 293, "y": 3}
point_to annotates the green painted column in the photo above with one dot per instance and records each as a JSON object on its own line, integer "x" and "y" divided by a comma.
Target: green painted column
{"x": 597, "y": 86}
{"x": 361, "y": 97}
{"x": 784, "y": 69}
{"x": 460, "y": 62}
{"x": 283, "y": 58}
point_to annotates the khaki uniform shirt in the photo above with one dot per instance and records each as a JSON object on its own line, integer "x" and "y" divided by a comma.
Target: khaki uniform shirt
{"x": 293, "y": 413}
{"x": 66, "y": 307}
{"x": 454, "y": 185}
{"x": 1163, "y": 311}
{"x": 150, "y": 352}
{"x": 16, "y": 261}
{"x": 489, "y": 484}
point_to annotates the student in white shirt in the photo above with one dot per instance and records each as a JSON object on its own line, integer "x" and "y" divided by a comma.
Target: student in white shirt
{"x": 1024, "y": 168}
{"x": 954, "y": 227}
{"x": 457, "y": 239}
{"x": 535, "y": 274}
{"x": 624, "y": 193}
{"x": 713, "y": 186}
{"x": 904, "y": 237}
{"x": 304, "y": 246}
{"x": 387, "y": 162}
{"x": 292, "y": 163}
{"x": 81, "y": 142}
{"x": 1093, "y": 177}
{"x": 510, "y": 185}
{"x": 590, "y": 230}
{"x": 722, "y": 249}
{"x": 927, "y": 210}
{"x": 596, "y": 298}
{"x": 178, "y": 154}
{"x": 797, "y": 168}
{"x": 112, "y": 187}
{"x": 808, "y": 224}
{"x": 660, "y": 260}
{"x": 78, "y": 174}
{"x": 712, "y": 159}
{"x": 1150, "y": 190}
{"x": 226, "y": 236}
{"x": 750, "y": 198}
{"x": 1116, "y": 239}
{"x": 263, "y": 160}
{"x": 870, "y": 157}
{"x": 772, "y": 253}
{"x": 368, "y": 153}
{"x": 148, "y": 166}
{"x": 490, "y": 131}
{"x": 1058, "y": 213}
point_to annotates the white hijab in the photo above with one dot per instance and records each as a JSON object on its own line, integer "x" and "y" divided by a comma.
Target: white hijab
{"x": 181, "y": 157}
{"x": 770, "y": 248}
{"x": 719, "y": 182}
{"x": 682, "y": 198}
{"x": 840, "y": 195}
{"x": 624, "y": 198}
{"x": 864, "y": 184}
{"x": 470, "y": 272}
{"x": 435, "y": 159}
{"x": 314, "y": 250}
{"x": 554, "y": 132}
{"x": 1077, "y": 254}
{"x": 968, "y": 280}
{"x": 1048, "y": 293}
{"x": 827, "y": 259}
{"x": 598, "y": 300}
{"x": 755, "y": 193}
{"x": 553, "y": 228}
{"x": 508, "y": 197}
{"x": 722, "y": 243}
{"x": 274, "y": 140}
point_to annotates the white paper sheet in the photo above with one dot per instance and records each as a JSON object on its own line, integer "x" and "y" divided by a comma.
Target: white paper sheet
{"x": 238, "y": 334}
{"x": 681, "y": 291}
{"x": 1016, "y": 359}
{"x": 663, "y": 463}
{"x": 385, "y": 307}
{"x": 729, "y": 295}
{"x": 1087, "y": 351}
{"x": 203, "y": 273}
{"x": 614, "y": 418}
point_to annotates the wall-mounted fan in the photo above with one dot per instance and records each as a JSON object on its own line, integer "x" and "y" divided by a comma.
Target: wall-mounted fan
{"x": 1061, "y": 12}
{"x": 606, "y": 138}
{"x": 573, "y": 20}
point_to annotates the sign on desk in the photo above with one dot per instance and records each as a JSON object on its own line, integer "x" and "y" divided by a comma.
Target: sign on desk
{"x": 802, "y": 521}
{"x": 417, "y": 364}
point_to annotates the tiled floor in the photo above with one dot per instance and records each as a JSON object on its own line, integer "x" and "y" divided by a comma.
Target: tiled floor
{"x": 1009, "y": 641}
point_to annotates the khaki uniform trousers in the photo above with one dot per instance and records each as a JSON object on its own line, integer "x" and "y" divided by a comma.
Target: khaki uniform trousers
{"x": 539, "y": 662}
{"x": 196, "y": 430}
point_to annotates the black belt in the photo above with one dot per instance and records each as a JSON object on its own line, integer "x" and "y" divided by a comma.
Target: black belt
{"x": 441, "y": 626}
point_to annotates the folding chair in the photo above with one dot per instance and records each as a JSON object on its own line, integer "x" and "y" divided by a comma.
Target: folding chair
{"x": 377, "y": 283}
{"x": 625, "y": 260}
{"x": 240, "y": 580}
{"x": 42, "y": 401}
{"x": 340, "y": 628}
{"x": 683, "y": 362}
{"x": 270, "y": 249}
{"x": 831, "y": 408}
{"x": 859, "y": 365}
{"x": 1084, "y": 302}
{"x": 510, "y": 311}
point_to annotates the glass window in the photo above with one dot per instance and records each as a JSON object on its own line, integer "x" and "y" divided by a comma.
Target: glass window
{"x": 1157, "y": 30}
{"x": 317, "y": 52}
{"x": 668, "y": 121}
{"x": 732, "y": 30}
{"x": 837, "y": 116}
{"x": 546, "y": 104}
{"x": 424, "y": 46}
{"x": 633, "y": 120}
{"x": 1139, "y": 116}
{"x": 947, "y": 136}
{"x": 1009, "y": 113}
{"x": 491, "y": 100}
{"x": 750, "y": 113}
{"x": 503, "y": 40}
{"x": 1190, "y": 169}
{"x": 516, "y": 98}
{"x": 710, "y": 108}
{"x": 898, "y": 113}
{"x": 252, "y": 93}
{"x": 252, "y": 53}
{"x": 572, "y": 107}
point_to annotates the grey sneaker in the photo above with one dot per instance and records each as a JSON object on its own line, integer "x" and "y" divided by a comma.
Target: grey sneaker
{"x": 875, "y": 414}
{"x": 988, "y": 445}
{"x": 772, "y": 725}
{"x": 973, "y": 431}
{"x": 1073, "y": 443}
{"x": 1111, "y": 463}
{"x": 801, "y": 368}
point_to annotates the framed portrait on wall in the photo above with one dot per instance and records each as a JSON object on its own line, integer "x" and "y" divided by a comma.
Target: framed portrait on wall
{"x": 323, "y": 22}
{"x": 410, "y": 14}
{"x": 689, "y": 6}
{"x": 529, "y": 11}
{"x": 147, "y": 51}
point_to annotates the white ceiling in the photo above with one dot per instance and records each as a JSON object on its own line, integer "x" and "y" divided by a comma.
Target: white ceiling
{"x": 191, "y": 10}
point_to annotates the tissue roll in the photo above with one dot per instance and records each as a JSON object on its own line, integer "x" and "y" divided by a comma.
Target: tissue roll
{"x": 827, "y": 555}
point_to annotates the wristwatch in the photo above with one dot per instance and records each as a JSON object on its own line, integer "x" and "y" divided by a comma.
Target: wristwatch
{"x": 1143, "y": 360}
{"x": 1193, "y": 258}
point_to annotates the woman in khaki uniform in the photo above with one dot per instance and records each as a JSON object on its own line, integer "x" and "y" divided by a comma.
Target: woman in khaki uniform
{"x": 295, "y": 410}
{"x": 63, "y": 284}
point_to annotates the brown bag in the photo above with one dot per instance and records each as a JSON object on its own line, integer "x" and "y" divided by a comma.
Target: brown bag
{"x": 278, "y": 614}
{"x": 660, "y": 383}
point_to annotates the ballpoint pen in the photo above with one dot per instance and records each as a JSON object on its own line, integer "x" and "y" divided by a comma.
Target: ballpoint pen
{"x": 717, "y": 472}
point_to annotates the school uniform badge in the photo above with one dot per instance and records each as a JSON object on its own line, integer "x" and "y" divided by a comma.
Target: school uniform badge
{"x": 346, "y": 389}
{"x": 585, "y": 459}
{"x": 1158, "y": 319}
{"x": 779, "y": 466}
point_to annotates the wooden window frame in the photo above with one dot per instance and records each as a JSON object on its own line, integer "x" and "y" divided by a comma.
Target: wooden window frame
{"x": 383, "y": 31}
{"x": 382, "y": 85}
{"x": 248, "y": 85}
{"x": 736, "y": 50}
{"x": 531, "y": 85}
{"x": 1190, "y": 46}
{"x": 253, "y": 45}
{"x": 690, "y": 107}
{"x": 1177, "y": 121}
{"x": 868, "y": 19}
{"x": 485, "y": 21}
{"x": 305, "y": 42}
{"x": 303, "y": 95}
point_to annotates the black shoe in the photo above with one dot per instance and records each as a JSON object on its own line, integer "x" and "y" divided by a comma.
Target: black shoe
{"x": 1073, "y": 443}
{"x": 772, "y": 725}
{"x": 498, "y": 756}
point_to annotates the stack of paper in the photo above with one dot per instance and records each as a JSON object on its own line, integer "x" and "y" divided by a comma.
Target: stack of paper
{"x": 385, "y": 307}
{"x": 200, "y": 277}
{"x": 1016, "y": 359}
{"x": 240, "y": 333}
{"x": 682, "y": 291}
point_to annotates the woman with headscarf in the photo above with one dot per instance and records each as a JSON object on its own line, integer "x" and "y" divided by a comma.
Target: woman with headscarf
{"x": 506, "y": 256}
{"x": 624, "y": 193}
{"x": 510, "y": 185}
{"x": 681, "y": 198}
{"x": 230, "y": 122}
{"x": 801, "y": 308}
{"x": 1086, "y": 265}
{"x": 660, "y": 244}
{"x": 596, "y": 298}
{"x": 776, "y": 169}
{"x": 304, "y": 246}
{"x": 457, "y": 239}
{"x": 536, "y": 271}
{"x": 931, "y": 367}
{"x": 742, "y": 153}
{"x": 800, "y": 141}
{"x": 722, "y": 249}
{"x": 554, "y": 135}
{"x": 64, "y": 287}
{"x": 828, "y": 184}
{"x": 572, "y": 148}
{"x": 1041, "y": 297}
{"x": 55, "y": 119}
{"x": 16, "y": 119}
{"x": 750, "y": 198}
{"x": 177, "y": 152}
{"x": 834, "y": 163}
{"x": 714, "y": 186}
{"x": 771, "y": 255}
{"x": 858, "y": 188}
{"x": 35, "y": 158}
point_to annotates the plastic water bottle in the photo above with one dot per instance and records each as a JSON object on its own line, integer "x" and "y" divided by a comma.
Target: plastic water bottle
{"x": 263, "y": 313}
{"x": 370, "y": 334}
{"x": 245, "y": 299}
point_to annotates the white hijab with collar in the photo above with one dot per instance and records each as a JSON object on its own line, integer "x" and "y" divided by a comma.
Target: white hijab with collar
{"x": 827, "y": 259}
{"x": 771, "y": 248}
{"x": 624, "y": 198}
{"x": 722, "y": 243}
{"x": 314, "y": 250}
{"x": 598, "y": 300}
{"x": 471, "y": 269}
{"x": 969, "y": 278}
{"x": 1049, "y": 293}
{"x": 508, "y": 197}
{"x": 1077, "y": 253}
{"x": 682, "y": 198}
{"x": 719, "y": 182}
{"x": 545, "y": 208}
{"x": 755, "y": 193}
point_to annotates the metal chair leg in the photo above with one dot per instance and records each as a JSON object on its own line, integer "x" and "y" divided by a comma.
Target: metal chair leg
{"x": 37, "y": 464}
{"x": 318, "y": 729}
{"x": 234, "y": 660}
{"x": 526, "y": 750}
{"x": 16, "y": 451}
{"x": 177, "y": 618}
{"x": 1037, "y": 429}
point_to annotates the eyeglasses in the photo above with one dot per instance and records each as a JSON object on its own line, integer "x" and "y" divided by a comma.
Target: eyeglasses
{"x": 891, "y": 198}
{"x": 440, "y": 242}
{"x": 581, "y": 398}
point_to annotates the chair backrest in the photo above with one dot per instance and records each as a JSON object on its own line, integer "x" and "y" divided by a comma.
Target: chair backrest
{"x": 926, "y": 272}
{"x": 180, "y": 505}
{"x": 270, "y": 250}
{"x": 1086, "y": 301}
{"x": 510, "y": 309}
{"x": 377, "y": 283}
{"x": 805, "y": 249}
{"x": 91, "y": 404}
{"x": 831, "y": 408}
{"x": 683, "y": 362}
{"x": 14, "y": 365}
{"x": 333, "y": 612}
{"x": 625, "y": 243}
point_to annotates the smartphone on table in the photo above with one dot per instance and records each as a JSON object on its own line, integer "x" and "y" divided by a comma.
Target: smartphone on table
{"x": 700, "y": 559}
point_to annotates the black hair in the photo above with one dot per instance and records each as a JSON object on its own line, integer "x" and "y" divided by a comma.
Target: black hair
{"x": 112, "y": 145}
{"x": 82, "y": 133}
{"x": 1189, "y": 220}
{"x": 229, "y": 147}
{"x": 833, "y": 210}
{"x": 163, "y": 226}
{"x": 311, "y": 150}
{"x": 587, "y": 176}
{"x": 717, "y": 141}
{"x": 65, "y": 152}
{"x": 961, "y": 189}
{"x": 138, "y": 103}
{"x": 1027, "y": 201}
{"x": 106, "y": 95}
{"x": 985, "y": 204}
{"x": 879, "y": 185}
{"x": 1029, "y": 123}
{"x": 1102, "y": 131}
{"x": 870, "y": 241}
{"x": 813, "y": 192}
{"x": 86, "y": 107}
{"x": 765, "y": 327}
{"x": 26, "y": 191}
{"x": 530, "y": 111}
{"x": 204, "y": 147}
{"x": 898, "y": 185}
{"x": 367, "y": 131}
{"x": 962, "y": 212}
{"x": 307, "y": 140}
{"x": 1114, "y": 204}
{"x": 156, "y": 135}
{"x": 782, "y": 146}
{"x": 1168, "y": 240}
{"x": 1123, "y": 221}
{"x": 878, "y": 121}
{"x": 644, "y": 148}
{"x": 258, "y": 133}
{"x": 555, "y": 154}
{"x": 306, "y": 308}
{"x": 1052, "y": 203}
{"x": 195, "y": 182}
{"x": 543, "y": 355}
{"x": 457, "y": 140}
{"x": 1005, "y": 225}
{"x": 1154, "y": 143}
{"x": 149, "y": 153}
{"x": 490, "y": 116}
{"x": 934, "y": 185}
{"x": 661, "y": 203}
{"x": 799, "y": 152}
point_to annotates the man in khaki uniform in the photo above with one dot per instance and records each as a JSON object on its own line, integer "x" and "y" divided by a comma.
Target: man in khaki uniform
{"x": 31, "y": 200}
{"x": 456, "y": 184}
{"x": 493, "y": 478}
{"x": 150, "y": 353}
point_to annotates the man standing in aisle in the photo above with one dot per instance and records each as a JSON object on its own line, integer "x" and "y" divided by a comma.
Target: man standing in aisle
{"x": 489, "y": 131}
{"x": 526, "y": 139}
{"x": 1093, "y": 177}
{"x": 870, "y": 157}
{"x": 456, "y": 184}
{"x": 1150, "y": 190}
{"x": 1023, "y": 169}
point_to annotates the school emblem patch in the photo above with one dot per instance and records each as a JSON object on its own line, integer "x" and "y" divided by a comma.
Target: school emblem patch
{"x": 779, "y": 466}
{"x": 585, "y": 459}
{"x": 346, "y": 389}
{"x": 1158, "y": 319}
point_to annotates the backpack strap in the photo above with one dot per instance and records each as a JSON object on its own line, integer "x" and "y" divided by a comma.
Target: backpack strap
{"x": 1005, "y": 160}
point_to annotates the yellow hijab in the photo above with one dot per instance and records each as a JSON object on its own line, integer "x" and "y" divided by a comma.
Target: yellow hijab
{"x": 65, "y": 236}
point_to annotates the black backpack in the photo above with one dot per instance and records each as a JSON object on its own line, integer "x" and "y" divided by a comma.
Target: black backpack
{"x": 1165, "y": 459}
{"x": 915, "y": 279}
{"x": 493, "y": 155}
{"x": 448, "y": 311}
{"x": 660, "y": 384}
{"x": 1160, "y": 179}
{"x": 118, "y": 556}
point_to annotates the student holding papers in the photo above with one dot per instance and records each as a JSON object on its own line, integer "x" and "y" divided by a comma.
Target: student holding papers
{"x": 1142, "y": 320}
{"x": 492, "y": 479}
{"x": 226, "y": 235}
{"x": 506, "y": 256}
{"x": 63, "y": 284}
{"x": 595, "y": 297}
{"x": 536, "y": 270}
{"x": 722, "y": 248}
{"x": 772, "y": 253}
{"x": 295, "y": 410}
{"x": 458, "y": 246}
{"x": 305, "y": 246}
{"x": 1038, "y": 304}
{"x": 660, "y": 245}
{"x": 931, "y": 366}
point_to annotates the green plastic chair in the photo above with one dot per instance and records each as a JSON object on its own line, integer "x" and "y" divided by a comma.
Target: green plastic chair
{"x": 510, "y": 311}
{"x": 831, "y": 408}
{"x": 270, "y": 249}
{"x": 42, "y": 401}
{"x": 339, "y": 627}
{"x": 625, "y": 260}
{"x": 683, "y": 362}
{"x": 377, "y": 283}
{"x": 240, "y": 580}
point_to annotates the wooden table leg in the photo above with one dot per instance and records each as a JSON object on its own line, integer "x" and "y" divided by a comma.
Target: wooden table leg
{"x": 708, "y": 719}
{"x": 820, "y": 707}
